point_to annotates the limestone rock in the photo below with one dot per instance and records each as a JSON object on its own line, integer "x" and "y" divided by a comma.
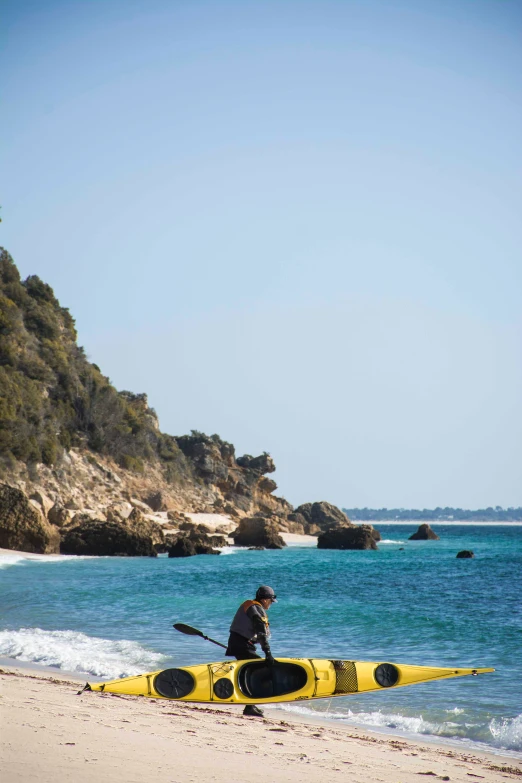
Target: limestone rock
{"x": 347, "y": 537}
{"x": 235, "y": 487}
{"x": 157, "y": 501}
{"x": 218, "y": 541}
{"x": 123, "y": 509}
{"x": 240, "y": 501}
{"x": 22, "y": 526}
{"x": 195, "y": 542}
{"x": 203, "y": 542}
{"x": 36, "y": 505}
{"x": 89, "y": 536}
{"x": 375, "y": 533}
{"x": 424, "y": 533}
{"x": 465, "y": 553}
{"x": 262, "y": 464}
{"x": 59, "y": 515}
{"x": 137, "y": 521}
{"x": 298, "y": 518}
{"x": 190, "y": 527}
{"x": 182, "y": 547}
{"x": 211, "y": 456}
{"x": 289, "y": 526}
{"x": 135, "y": 503}
{"x": 267, "y": 485}
{"x": 258, "y": 531}
{"x": 225, "y": 530}
{"x": 322, "y": 514}
{"x": 113, "y": 515}
{"x": 177, "y": 516}
{"x": 43, "y": 500}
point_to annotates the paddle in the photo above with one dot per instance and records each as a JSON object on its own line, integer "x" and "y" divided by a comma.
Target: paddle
{"x": 190, "y": 631}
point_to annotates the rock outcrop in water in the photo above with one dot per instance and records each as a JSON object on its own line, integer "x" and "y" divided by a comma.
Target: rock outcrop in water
{"x": 22, "y": 525}
{"x": 196, "y": 541}
{"x": 333, "y": 528}
{"x": 348, "y": 537}
{"x": 183, "y": 547}
{"x": 131, "y": 537}
{"x": 424, "y": 533}
{"x": 258, "y": 531}
{"x": 465, "y": 554}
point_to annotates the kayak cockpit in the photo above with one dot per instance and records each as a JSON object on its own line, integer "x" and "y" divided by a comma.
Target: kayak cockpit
{"x": 256, "y": 680}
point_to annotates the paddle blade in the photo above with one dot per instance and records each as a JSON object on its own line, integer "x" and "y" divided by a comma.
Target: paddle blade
{"x": 188, "y": 629}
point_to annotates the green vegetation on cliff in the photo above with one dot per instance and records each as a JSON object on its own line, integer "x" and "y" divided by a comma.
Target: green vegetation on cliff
{"x": 52, "y": 397}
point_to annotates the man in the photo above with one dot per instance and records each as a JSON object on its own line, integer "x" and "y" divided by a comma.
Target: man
{"x": 249, "y": 627}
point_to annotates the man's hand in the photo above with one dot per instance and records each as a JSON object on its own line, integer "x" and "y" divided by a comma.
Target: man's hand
{"x": 270, "y": 660}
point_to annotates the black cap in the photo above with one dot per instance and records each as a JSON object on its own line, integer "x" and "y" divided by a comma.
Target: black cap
{"x": 266, "y": 592}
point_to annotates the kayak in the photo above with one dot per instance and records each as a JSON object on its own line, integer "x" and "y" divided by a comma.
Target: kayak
{"x": 288, "y": 679}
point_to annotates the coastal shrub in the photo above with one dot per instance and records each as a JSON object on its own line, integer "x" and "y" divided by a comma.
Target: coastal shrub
{"x": 49, "y": 450}
{"x": 129, "y": 462}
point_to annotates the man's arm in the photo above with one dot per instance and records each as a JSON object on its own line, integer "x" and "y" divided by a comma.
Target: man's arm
{"x": 260, "y": 623}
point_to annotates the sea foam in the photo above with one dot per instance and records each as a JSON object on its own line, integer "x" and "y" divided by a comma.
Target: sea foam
{"x": 507, "y": 732}
{"x": 20, "y": 558}
{"x": 502, "y": 734}
{"x": 76, "y": 652}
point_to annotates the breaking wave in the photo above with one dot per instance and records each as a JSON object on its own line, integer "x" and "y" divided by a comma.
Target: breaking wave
{"x": 507, "y": 732}
{"x": 18, "y": 558}
{"x": 499, "y": 734}
{"x": 76, "y": 652}
{"x": 231, "y": 550}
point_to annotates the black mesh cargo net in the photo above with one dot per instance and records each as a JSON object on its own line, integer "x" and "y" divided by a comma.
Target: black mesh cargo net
{"x": 345, "y": 677}
{"x": 174, "y": 683}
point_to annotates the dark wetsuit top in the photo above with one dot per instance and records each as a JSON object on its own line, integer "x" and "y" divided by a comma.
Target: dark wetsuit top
{"x": 249, "y": 627}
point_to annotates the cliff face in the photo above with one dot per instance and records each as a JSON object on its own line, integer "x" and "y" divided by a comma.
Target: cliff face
{"x": 69, "y": 438}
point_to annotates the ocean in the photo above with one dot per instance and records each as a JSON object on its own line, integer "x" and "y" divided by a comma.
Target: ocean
{"x": 409, "y": 602}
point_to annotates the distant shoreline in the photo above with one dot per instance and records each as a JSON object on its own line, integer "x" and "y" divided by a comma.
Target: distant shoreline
{"x": 438, "y": 514}
{"x": 436, "y": 522}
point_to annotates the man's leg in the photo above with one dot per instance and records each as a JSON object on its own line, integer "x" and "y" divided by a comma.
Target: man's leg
{"x": 244, "y": 651}
{"x": 251, "y": 709}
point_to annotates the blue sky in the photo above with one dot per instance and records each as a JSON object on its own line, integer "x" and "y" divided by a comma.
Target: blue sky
{"x": 296, "y": 224}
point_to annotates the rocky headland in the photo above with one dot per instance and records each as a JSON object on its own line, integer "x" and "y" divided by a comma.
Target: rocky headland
{"x": 85, "y": 469}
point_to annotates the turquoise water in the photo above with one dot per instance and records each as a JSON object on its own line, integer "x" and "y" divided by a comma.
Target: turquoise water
{"x": 408, "y": 602}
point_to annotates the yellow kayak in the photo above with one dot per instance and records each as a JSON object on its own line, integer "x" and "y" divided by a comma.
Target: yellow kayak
{"x": 289, "y": 679}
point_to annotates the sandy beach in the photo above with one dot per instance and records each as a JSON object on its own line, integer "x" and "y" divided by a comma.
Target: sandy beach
{"x": 51, "y": 734}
